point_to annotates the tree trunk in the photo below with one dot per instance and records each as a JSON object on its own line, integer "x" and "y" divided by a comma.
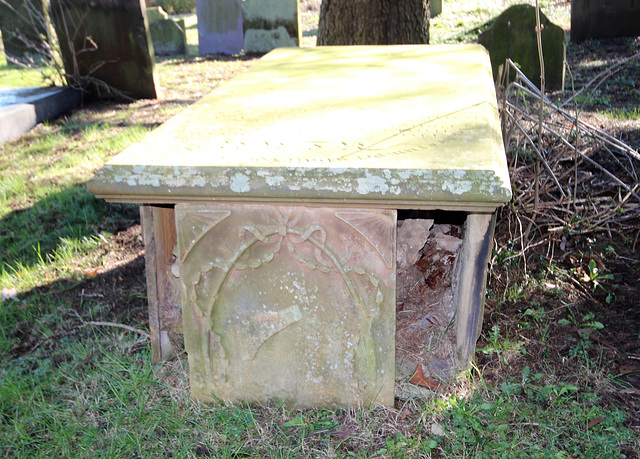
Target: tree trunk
{"x": 373, "y": 22}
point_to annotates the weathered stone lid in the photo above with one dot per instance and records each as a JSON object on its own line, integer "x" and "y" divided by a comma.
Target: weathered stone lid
{"x": 393, "y": 126}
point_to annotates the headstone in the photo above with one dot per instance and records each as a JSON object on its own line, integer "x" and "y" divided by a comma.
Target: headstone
{"x": 604, "y": 19}
{"x": 270, "y": 24}
{"x": 25, "y": 30}
{"x": 219, "y": 26}
{"x": 435, "y": 8}
{"x": 513, "y": 35}
{"x": 156, "y": 13}
{"x": 113, "y": 51}
{"x": 168, "y": 37}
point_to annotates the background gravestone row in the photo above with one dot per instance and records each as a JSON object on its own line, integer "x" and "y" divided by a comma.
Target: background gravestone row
{"x": 107, "y": 46}
{"x": 257, "y": 26}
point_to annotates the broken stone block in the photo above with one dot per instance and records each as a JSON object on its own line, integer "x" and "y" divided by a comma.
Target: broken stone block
{"x": 270, "y": 24}
{"x": 426, "y": 310}
{"x": 513, "y": 36}
{"x": 448, "y": 243}
{"x": 289, "y": 304}
{"x": 412, "y": 235}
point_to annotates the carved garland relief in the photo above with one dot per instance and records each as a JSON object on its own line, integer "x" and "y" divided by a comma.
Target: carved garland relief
{"x": 288, "y": 303}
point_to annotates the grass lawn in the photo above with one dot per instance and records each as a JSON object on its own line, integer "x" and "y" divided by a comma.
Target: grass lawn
{"x": 11, "y": 76}
{"x": 556, "y": 374}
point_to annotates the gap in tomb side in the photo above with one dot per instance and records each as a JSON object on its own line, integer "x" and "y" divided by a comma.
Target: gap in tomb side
{"x": 429, "y": 244}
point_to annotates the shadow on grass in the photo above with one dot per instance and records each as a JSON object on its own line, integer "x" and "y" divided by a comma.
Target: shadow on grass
{"x": 40, "y": 317}
{"x": 31, "y": 236}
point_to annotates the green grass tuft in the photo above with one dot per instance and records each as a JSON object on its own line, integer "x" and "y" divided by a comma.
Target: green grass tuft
{"x": 622, "y": 113}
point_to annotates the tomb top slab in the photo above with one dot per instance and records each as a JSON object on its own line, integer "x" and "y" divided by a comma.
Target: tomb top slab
{"x": 394, "y": 126}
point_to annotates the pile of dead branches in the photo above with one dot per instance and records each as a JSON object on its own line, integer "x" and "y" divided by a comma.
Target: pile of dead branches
{"x": 570, "y": 179}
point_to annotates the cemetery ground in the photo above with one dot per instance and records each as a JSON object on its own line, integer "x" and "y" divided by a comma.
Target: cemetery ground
{"x": 556, "y": 374}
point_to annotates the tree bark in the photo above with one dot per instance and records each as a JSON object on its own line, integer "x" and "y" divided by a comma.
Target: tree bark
{"x": 373, "y": 22}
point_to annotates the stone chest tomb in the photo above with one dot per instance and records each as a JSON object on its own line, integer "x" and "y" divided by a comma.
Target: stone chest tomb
{"x": 318, "y": 228}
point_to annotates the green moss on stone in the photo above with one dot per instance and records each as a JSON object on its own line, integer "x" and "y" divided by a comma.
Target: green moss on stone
{"x": 513, "y": 35}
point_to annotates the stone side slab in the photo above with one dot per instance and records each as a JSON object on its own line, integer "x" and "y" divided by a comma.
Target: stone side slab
{"x": 290, "y": 304}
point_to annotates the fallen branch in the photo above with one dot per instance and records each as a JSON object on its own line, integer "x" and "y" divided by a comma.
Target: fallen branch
{"x": 113, "y": 324}
{"x": 86, "y": 323}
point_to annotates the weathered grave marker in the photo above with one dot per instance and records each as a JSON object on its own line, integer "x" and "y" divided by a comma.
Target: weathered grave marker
{"x": 106, "y": 46}
{"x": 285, "y": 185}
{"x": 604, "y": 19}
{"x": 435, "y": 8}
{"x": 168, "y": 37}
{"x": 513, "y": 35}
{"x": 270, "y": 24}
{"x": 25, "y": 30}
{"x": 219, "y": 26}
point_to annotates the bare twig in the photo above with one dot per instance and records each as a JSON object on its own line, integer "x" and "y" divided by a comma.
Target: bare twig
{"x": 86, "y": 323}
{"x": 569, "y": 177}
{"x": 113, "y": 324}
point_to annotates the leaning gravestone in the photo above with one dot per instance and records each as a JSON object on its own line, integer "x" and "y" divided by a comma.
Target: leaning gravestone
{"x": 604, "y": 19}
{"x": 25, "y": 30}
{"x": 168, "y": 37}
{"x": 270, "y": 24}
{"x": 113, "y": 52}
{"x": 219, "y": 26}
{"x": 513, "y": 35}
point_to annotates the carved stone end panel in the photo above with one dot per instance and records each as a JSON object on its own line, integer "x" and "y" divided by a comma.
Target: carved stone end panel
{"x": 290, "y": 304}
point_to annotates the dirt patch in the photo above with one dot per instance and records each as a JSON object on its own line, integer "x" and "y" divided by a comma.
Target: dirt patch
{"x": 580, "y": 334}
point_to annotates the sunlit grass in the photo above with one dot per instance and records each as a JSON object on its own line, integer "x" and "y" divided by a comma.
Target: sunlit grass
{"x": 47, "y": 219}
{"x": 59, "y": 156}
{"x": 622, "y": 113}
{"x": 13, "y": 76}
